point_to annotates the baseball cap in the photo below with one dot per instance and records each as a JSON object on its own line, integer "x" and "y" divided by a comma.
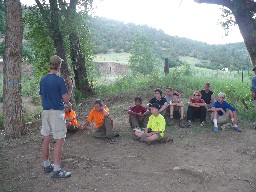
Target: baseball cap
{"x": 155, "y": 105}
{"x": 221, "y": 95}
{"x": 207, "y": 84}
{"x": 254, "y": 68}
{"x": 55, "y": 61}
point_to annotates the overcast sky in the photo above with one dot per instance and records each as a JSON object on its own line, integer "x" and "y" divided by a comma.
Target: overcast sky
{"x": 182, "y": 18}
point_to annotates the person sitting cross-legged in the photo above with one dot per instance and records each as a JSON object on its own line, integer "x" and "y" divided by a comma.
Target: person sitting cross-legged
{"x": 137, "y": 114}
{"x": 70, "y": 117}
{"x": 177, "y": 109}
{"x": 103, "y": 123}
{"x": 221, "y": 115}
{"x": 196, "y": 109}
{"x": 155, "y": 127}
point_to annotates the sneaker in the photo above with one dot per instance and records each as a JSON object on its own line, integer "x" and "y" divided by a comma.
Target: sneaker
{"x": 111, "y": 140}
{"x": 181, "y": 123}
{"x": 61, "y": 174}
{"x": 136, "y": 129}
{"x": 216, "y": 129}
{"x": 116, "y": 135}
{"x": 203, "y": 124}
{"x": 189, "y": 123}
{"x": 237, "y": 129}
{"x": 48, "y": 169}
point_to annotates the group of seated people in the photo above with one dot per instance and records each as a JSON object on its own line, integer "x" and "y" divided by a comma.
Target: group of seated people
{"x": 149, "y": 122}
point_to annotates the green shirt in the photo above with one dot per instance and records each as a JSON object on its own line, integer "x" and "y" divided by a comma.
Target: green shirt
{"x": 157, "y": 124}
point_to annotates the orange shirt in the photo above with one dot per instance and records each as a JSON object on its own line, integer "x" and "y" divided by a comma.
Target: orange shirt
{"x": 73, "y": 115}
{"x": 97, "y": 117}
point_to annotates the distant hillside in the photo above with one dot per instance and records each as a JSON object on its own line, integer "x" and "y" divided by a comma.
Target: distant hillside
{"x": 110, "y": 35}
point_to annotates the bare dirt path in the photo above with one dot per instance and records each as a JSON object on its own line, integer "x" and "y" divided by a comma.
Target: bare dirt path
{"x": 198, "y": 160}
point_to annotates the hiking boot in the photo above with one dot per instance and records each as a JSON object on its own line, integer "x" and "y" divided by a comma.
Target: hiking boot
{"x": 216, "y": 129}
{"x": 111, "y": 140}
{"x": 202, "y": 124}
{"x": 189, "y": 123}
{"x": 136, "y": 129}
{"x": 48, "y": 169}
{"x": 181, "y": 123}
{"x": 61, "y": 174}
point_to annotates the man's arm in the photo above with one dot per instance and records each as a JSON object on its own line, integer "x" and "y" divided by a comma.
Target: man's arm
{"x": 164, "y": 106}
{"x": 212, "y": 98}
{"x": 66, "y": 97}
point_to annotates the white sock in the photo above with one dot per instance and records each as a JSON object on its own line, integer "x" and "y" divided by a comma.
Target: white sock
{"x": 215, "y": 123}
{"x": 235, "y": 125}
{"x": 47, "y": 163}
{"x": 232, "y": 119}
{"x": 56, "y": 167}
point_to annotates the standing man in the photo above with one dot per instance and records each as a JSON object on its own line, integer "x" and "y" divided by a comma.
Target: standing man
{"x": 222, "y": 115}
{"x": 254, "y": 91}
{"x": 54, "y": 94}
{"x": 207, "y": 95}
{"x": 196, "y": 109}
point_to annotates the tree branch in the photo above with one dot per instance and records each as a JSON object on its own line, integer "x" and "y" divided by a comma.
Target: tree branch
{"x": 42, "y": 11}
{"x": 225, "y": 3}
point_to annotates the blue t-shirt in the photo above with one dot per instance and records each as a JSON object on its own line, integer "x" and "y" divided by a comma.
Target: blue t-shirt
{"x": 52, "y": 87}
{"x": 225, "y": 105}
{"x": 254, "y": 84}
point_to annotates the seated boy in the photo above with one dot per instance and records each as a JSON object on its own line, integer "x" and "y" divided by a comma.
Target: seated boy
{"x": 137, "y": 114}
{"x": 103, "y": 123}
{"x": 221, "y": 115}
{"x": 155, "y": 127}
{"x": 177, "y": 109}
{"x": 196, "y": 109}
{"x": 70, "y": 117}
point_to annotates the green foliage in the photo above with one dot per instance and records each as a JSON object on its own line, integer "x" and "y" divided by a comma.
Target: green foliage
{"x": 1, "y": 121}
{"x": 181, "y": 71}
{"x": 114, "y": 35}
{"x": 143, "y": 59}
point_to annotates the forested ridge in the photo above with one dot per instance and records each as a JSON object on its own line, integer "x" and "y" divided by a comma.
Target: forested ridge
{"x": 111, "y": 35}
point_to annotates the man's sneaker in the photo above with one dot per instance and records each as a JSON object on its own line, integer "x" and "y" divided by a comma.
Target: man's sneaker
{"x": 236, "y": 128}
{"x": 181, "y": 123}
{"x": 48, "y": 169}
{"x": 216, "y": 129}
{"x": 111, "y": 140}
{"x": 61, "y": 174}
{"x": 136, "y": 129}
{"x": 188, "y": 123}
{"x": 203, "y": 124}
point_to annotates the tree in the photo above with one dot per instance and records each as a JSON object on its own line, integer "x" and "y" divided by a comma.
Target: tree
{"x": 244, "y": 14}
{"x": 143, "y": 59}
{"x": 12, "y": 101}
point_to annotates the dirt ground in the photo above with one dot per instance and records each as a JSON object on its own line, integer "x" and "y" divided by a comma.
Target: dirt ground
{"x": 198, "y": 160}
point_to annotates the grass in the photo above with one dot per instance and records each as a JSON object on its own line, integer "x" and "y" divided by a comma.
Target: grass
{"x": 114, "y": 57}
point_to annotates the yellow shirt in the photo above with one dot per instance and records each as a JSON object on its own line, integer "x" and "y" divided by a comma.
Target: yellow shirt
{"x": 157, "y": 124}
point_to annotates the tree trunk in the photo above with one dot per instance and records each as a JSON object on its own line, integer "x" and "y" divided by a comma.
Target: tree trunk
{"x": 78, "y": 63}
{"x": 12, "y": 100}
{"x": 59, "y": 42}
{"x": 247, "y": 28}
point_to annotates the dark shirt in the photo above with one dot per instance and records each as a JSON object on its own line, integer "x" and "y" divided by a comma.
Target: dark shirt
{"x": 159, "y": 102}
{"x": 192, "y": 100}
{"x": 225, "y": 105}
{"x": 52, "y": 87}
{"x": 138, "y": 109}
{"x": 206, "y": 96}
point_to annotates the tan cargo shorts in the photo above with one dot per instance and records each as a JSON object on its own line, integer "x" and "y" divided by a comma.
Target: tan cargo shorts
{"x": 53, "y": 122}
